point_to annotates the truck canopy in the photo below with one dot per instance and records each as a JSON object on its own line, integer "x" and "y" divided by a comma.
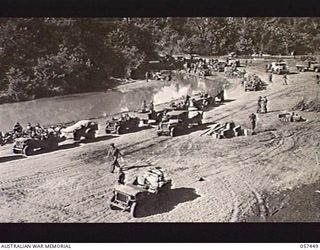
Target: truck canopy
{"x": 78, "y": 125}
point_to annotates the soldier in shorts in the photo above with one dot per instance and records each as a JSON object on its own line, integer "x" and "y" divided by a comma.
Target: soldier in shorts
{"x": 114, "y": 153}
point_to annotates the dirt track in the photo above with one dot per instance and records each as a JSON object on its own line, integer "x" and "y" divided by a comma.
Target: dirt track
{"x": 73, "y": 184}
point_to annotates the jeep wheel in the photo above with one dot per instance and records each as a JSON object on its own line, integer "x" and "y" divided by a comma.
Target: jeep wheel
{"x": 54, "y": 147}
{"x": 15, "y": 151}
{"x": 91, "y": 135}
{"x": 133, "y": 209}
{"x": 172, "y": 132}
{"x": 27, "y": 151}
{"x": 75, "y": 136}
{"x": 112, "y": 207}
{"x": 118, "y": 130}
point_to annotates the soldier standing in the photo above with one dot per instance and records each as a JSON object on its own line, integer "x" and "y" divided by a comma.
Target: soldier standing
{"x": 114, "y": 154}
{"x": 270, "y": 77}
{"x": 264, "y": 104}
{"x": 253, "y": 121}
{"x": 17, "y": 128}
{"x": 147, "y": 76}
{"x": 259, "y": 104}
{"x": 285, "y": 79}
{"x": 143, "y": 106}
{"x": 151, "y": 106}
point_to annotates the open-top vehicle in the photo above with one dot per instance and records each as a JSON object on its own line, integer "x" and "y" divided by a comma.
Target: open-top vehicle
{"x": 84, "y": 128}
{"x": 122, "y": 125}
{"x": 144, "y": 191}
{"x": 251, "y": 85}
{"x": 151, "y": 117}
{"x": 28, "y": 145}
{"x": 202, "y": 101}
{"x": 179, "y": 121}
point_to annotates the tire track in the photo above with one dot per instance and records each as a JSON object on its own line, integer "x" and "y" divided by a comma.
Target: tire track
{"x": 235, "y": 202}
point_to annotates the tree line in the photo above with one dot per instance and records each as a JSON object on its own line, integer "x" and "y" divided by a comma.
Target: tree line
{"x": 42, "y": 57}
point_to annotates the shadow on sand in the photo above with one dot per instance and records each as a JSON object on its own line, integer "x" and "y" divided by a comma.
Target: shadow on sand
{"x": 136, "y": 166}
{"x": 60, "y": 147}
{"x": 11, "y": 158}
{"x": 195, "y": 128}
{"x": 217, "y": 104}
{"x": 98, "y": 139}
{"x": 166, "y": 201}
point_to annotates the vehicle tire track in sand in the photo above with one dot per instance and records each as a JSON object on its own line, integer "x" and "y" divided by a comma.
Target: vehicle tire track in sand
{"x": 235, "y": 202}
{"x": 263, "y": 211}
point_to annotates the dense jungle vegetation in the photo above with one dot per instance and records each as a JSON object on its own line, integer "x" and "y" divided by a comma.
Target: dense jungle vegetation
{"x": 43, "y": 57}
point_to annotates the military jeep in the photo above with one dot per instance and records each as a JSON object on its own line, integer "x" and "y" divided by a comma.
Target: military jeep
{"x": 122, "y": 125}
{"x": 251, "y": 86}
{"x": 152, "y": 117}
{"x": 143, "y": 192}
{"x": 84, "y": 128}
{"x": 179, "y": 121}
{"x": 28, "y": 145}
{"x": 201, "y": 101}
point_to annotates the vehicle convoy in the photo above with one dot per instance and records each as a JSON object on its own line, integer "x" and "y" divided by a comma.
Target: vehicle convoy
{"x": 84, "y": 128}
{"x": 124, "y": 124}
{"x": 28, "y": 145}
{"x": 144, "y": 192}
{"x": 278, "y": 68}
{"x": 308, "y": 66}
{"x": 178, "y": 121}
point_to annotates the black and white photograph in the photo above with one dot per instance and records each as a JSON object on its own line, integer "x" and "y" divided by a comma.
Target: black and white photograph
{"x": 159, "y": 119}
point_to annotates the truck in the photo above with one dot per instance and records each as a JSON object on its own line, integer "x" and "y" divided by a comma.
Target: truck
{"x": 82, "y": 129}
{"x": 179, "y": 121}
{"x": 278, "y": 68}
{"x": 308, "y": 66}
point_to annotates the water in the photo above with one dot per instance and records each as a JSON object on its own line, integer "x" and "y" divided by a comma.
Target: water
{"x": 98, "y": 104}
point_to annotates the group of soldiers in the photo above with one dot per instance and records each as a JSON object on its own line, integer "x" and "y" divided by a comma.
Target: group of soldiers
{"x": 36, "y": 131}
{"x": 261, "y": 108}
{"x": 32, "y": 131}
